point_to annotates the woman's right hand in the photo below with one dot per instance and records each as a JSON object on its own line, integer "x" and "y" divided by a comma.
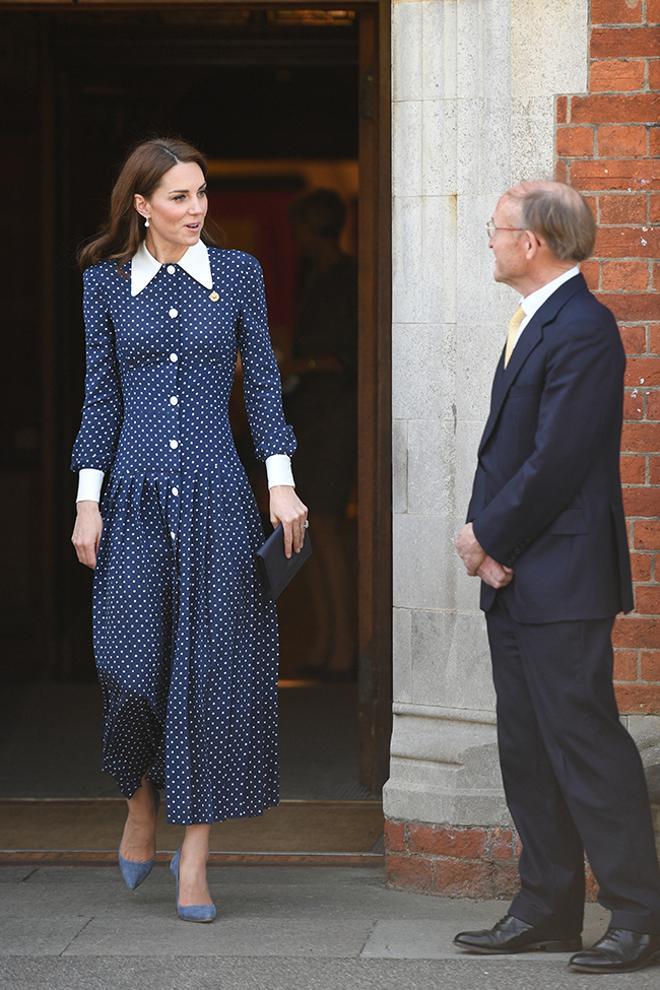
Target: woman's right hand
{"x": 87, "y": 532}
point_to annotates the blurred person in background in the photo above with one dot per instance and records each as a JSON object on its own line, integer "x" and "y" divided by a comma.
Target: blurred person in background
{"x": 320, "y": 388}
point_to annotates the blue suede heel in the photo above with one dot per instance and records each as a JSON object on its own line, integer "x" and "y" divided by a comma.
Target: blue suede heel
{"x": 191, "y": 912}
{"x": 135, "y": 872}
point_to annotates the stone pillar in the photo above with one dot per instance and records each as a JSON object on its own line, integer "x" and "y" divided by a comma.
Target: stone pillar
{"x": 474, "y": 83}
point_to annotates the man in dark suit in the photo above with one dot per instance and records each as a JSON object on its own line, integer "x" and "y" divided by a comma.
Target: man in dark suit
{"x": 546, "y": 533}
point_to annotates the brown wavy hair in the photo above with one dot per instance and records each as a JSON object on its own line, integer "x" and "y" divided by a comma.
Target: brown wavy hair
{"x": 123, "y": 232}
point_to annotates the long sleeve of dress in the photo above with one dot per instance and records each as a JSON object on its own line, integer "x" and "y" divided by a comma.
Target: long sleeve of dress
{"x": 102, "y": 411}
{"x": 262, "y": 386}
{"x": 90, "y": 480}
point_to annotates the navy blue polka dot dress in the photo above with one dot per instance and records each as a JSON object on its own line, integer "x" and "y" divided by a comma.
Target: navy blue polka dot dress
{"x": 185, "y": 644}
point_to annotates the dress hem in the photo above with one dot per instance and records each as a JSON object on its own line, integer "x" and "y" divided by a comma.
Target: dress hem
{"x": 160, "y": 786}
{"x": 226, "y": 818}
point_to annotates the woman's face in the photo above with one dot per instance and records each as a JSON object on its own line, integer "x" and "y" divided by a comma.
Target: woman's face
{"x": 177, "y": 207}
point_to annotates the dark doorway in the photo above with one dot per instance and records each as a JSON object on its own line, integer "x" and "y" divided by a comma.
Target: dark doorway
{"x": 275, "y": 97}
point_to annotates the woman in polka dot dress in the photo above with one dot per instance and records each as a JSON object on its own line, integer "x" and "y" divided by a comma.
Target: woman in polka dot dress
{"x": 185, "y": 643}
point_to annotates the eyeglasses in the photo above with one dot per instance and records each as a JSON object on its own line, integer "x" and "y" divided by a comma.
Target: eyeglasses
{"x": 491, "y": 229}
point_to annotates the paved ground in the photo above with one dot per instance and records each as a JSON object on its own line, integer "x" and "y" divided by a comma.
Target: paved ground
{"x": 278, "y": 928}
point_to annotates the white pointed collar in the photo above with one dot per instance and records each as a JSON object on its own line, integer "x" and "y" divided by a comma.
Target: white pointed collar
{"x": 195, "y": 262}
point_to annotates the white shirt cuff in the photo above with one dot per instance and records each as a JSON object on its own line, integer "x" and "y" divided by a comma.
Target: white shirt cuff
{"x": 90, "y": 481}
{"x": 278, "y": 469}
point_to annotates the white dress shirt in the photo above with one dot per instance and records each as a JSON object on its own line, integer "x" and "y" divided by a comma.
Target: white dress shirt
{"x": 535, "y": 300}
{"x": 144, "y": 267}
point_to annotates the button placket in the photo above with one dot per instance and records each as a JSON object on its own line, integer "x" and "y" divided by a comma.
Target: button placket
{"x": 174, "y": 441}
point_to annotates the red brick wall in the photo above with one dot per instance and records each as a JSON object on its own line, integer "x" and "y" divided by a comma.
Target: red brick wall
{"x": 456, "y": 861}
{"x": 453, "y": 862}
{"x": 607, "y": 146}
{"x": 606, "y": 143}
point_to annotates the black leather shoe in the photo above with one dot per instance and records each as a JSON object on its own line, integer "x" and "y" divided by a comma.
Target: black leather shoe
{"x": 618, "y": 951}
{"x": 513, "y": 935}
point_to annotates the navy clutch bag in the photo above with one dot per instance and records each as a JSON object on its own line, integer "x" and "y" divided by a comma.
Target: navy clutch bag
{"x": 274, "y": 568}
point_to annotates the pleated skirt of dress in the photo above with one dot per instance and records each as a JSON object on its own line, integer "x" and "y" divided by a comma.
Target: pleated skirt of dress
{"x": 186, "y": 646}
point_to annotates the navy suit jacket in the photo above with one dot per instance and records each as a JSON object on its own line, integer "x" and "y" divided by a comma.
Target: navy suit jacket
{"x": 546, "y": 498}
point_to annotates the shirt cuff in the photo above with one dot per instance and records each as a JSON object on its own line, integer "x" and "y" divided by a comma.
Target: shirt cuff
{"x": 278, "y": 469}
{"x": 90, "y": 481}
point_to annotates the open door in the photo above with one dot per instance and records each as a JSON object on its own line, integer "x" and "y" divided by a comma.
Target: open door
{"x": 45, "y": 607}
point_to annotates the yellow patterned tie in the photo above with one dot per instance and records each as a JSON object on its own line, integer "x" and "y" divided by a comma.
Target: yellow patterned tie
{"x": 514, "y": 325}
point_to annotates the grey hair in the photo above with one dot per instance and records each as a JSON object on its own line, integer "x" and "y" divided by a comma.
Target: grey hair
{"x": 558, "y": 214}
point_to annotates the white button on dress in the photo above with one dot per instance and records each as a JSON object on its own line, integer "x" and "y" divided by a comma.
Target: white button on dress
{"x": 174, "y": 313}
{"x": 174, "y": 444}
{"x": 175, "y": 491}
{"x": 173, "y": 400}
{"x": 173, "y": 534}
{"x": 174, "y": 357}
{"x": 171, "y": 269}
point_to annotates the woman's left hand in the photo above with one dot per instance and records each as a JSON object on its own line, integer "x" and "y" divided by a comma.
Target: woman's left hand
{"x": 286, "y": 508}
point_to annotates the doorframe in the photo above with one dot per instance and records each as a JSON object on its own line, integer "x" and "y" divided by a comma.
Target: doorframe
{"x": 375, "y": 400}
{"x": 374, "y": 383}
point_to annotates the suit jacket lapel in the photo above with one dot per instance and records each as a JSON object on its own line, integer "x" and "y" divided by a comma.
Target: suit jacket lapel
{"x": 532, "y": 335}
{"x": 505, "y": 377}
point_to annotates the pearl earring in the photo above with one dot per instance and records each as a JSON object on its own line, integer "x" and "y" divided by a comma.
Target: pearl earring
{"x": 146, "y": 221}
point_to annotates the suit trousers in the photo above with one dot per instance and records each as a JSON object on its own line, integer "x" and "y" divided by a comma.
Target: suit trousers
{"x": 572, "y": 775}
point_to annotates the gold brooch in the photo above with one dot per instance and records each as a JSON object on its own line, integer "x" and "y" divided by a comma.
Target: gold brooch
{"x": 214, "y": 296}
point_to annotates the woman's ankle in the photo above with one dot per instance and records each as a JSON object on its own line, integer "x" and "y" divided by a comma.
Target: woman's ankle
{"x": 194, "y": 856}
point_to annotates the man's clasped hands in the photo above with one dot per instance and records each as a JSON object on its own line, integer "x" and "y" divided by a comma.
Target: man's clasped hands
{"x": 478, "y": 563}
